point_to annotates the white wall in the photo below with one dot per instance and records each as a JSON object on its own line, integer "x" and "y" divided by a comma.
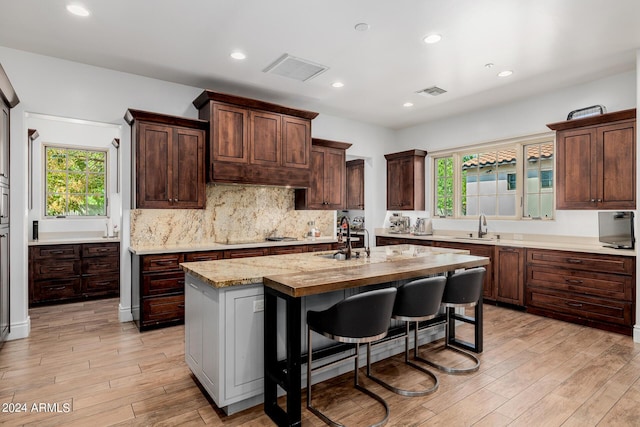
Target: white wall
{"x": 525, "y": 117}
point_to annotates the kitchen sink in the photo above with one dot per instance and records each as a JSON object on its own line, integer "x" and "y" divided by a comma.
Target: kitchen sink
{"x": 334, "y": 255}
{"x": 488, "y": 239}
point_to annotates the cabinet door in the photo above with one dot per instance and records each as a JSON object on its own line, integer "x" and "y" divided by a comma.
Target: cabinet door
{"x": 265, "y": 138}
{"x": 296, "y": 142}
{"x": 315, "y": 192}
{"x": 4, "y": 143}
{"x": 394, "y": 184}
{"x": 193, "y": 327}
{"x": 230, "y": 134}
{"x": 5, "y": 318}
{"x": 4, "y": 205}
{"x": 243, "y": 342}
{"x": 510, "y": 275}
{"x": 355, "y": 184}
{"x": 188, "y": 184}
{"x": 334, "y": 179}
{"x": 616, "y": 187}
{"x": 576, "y": 169}
{"x": 154, "y": 161}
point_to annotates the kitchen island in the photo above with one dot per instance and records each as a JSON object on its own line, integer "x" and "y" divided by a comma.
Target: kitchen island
{"x": 225, "y": 326}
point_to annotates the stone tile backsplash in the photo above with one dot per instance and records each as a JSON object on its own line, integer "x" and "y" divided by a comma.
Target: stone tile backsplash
{"x": 233, "y": 213}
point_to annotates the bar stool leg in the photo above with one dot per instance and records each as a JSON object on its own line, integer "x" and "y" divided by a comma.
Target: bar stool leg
{"x": 448, "y": 369}
{"x": 356, "y": 385}
{"x": 400, "y": 391}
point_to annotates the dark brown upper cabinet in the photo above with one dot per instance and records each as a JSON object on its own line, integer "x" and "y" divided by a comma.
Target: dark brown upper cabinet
{"x": 169, "y": 160}
{"x": 406, "y": 180}
{"x": 255, "y": 142}
{"x": 355, "y": 184}
{"x": 327, "y": 190}
{"x": 596, "y": 162}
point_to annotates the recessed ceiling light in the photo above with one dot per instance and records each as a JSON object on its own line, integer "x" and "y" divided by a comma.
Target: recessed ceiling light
{"x": 337, "y": 84}
{"x": 407, "y": 104}
{"x": 77, "y": 10}
{"x": 363, "y": 26}
{"x": 505, "y": 73}
{"x": 432, "y": 38}
{"x": 238, "y": 55}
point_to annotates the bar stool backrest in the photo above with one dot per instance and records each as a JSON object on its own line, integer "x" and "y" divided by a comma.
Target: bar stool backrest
{"x": 464, "y": 287}
{"x": 359, "y": 318}
{"x": 419, "y": 298}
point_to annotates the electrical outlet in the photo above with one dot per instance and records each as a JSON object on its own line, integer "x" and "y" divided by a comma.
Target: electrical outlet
{"x": 258, "y": 305}
{"x": 517, "y": 237}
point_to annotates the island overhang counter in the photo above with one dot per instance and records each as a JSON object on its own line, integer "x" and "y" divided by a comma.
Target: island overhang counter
{"x": 237, "y": 352}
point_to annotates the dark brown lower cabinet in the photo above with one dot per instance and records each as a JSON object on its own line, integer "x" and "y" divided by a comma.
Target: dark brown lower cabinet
{"x": 509, "y": 275}
{"x": 590, "y": 289}
{"x": 157, "y": 281}
{"x": 73, "y": 272}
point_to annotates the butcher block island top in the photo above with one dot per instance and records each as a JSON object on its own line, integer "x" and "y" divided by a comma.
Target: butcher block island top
{"x": 297, "y": 275}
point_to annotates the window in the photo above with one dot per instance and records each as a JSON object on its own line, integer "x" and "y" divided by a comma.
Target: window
{"x": 538, "y": 199}
{"x": 513, "y": 180}
{"x": 444, "y": 182}
{"x": 75, "y": 182}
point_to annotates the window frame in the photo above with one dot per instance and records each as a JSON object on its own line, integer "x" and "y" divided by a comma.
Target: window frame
{"x": 44, "y": 170}
{"x": 457, "y": 154}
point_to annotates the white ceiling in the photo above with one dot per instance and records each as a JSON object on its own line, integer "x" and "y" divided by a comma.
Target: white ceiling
{"x": 547, "y": 43}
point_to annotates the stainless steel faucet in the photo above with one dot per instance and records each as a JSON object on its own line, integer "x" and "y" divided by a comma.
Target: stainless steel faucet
{"x": 482, "y": 220}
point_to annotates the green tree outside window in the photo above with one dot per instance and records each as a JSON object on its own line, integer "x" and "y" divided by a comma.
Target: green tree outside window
{"x": 76, "y": 182}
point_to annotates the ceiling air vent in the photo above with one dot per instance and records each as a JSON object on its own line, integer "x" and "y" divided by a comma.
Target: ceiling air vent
{"x": 431, "y": 91}
{"x": 295, "y": 68}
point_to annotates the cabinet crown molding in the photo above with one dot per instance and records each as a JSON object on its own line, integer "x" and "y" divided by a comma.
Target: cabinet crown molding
{"x": 330, "y": 144}
{"x": 416, "y": 152}
{"x": 132, "y": 115}
{"x": 594, "y": 120}
{"x": 208, "y": 95}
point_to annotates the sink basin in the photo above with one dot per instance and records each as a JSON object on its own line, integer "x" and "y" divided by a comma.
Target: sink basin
{"x": 488, "y": 239}
{"x": 336, "y": 256}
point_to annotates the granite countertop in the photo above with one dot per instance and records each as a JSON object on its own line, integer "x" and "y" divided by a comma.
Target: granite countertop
{"x": 538, "y": 241}
{"x": 215, "y": 246}
{"x": 69, "y": 238}
{"x": 246, "y": 271}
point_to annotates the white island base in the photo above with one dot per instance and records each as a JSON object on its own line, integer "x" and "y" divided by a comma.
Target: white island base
{"x": 224, "y": 338}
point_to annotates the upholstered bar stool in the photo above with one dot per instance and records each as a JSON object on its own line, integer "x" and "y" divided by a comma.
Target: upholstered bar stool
{"x": 416, "y": 301}
{"x": 361, "y": 318}
{"x": 463, "y": 289}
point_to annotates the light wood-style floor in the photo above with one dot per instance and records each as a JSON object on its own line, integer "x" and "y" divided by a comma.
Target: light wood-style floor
{"x": 534, "y": 372}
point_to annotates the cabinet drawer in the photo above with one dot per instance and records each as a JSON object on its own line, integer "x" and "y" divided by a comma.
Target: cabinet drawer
{"x": 163, "y": 309}
{"x": 598, "y": 309}
{"x": 244, "y": 253}
{"x": 55, "y": 269}
{"x": 162, "y": 283}
{"x": 53, "y": 290}
{"x": 101, "y": 284}
{"x": 321, "y": 247}
{"x": 165, "y": 262}
{"x": 100, "y": 249}
{"x": 582, "y": 261}
{"x": 55, "y": 251}
{"x": 107, "y": 264}
{"x": 203, "y": 256}
{"x": 281, "y": 250}
{"x": 583, "y": 282}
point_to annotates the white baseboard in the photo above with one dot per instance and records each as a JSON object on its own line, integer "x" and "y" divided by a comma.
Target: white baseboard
{"x": 636, "y": 333}
{"x": 20, "y": 330}
{"x": 124, "y": 314}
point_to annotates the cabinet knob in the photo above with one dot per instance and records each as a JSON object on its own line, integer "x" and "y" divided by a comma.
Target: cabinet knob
{"x": 593, "y": 200}
{"x": 175, "y": 200}
{"x": 599, "y": 200}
